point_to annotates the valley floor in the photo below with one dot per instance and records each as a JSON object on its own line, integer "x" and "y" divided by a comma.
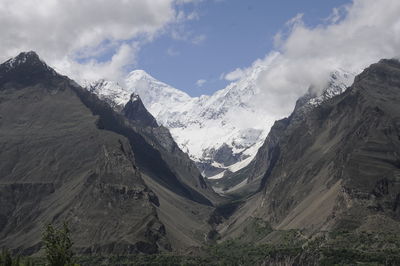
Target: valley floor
{"x": 333, "y": 248}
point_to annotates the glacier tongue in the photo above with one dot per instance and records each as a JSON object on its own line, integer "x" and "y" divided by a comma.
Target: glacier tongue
{"x": 221, "y": 132}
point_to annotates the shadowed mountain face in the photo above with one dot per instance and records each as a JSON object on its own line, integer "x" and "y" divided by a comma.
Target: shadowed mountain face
{"x": 337, "y": 168}
{"x": 157, "y": 154}
{"x": 154, "y": 154}
{"x": 185, "y": 197}
{"x": 134, "y": 110}
{"x": 66, "y": 155}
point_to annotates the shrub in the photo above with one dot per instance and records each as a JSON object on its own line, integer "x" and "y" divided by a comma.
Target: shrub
{"x": 58, "y": 245}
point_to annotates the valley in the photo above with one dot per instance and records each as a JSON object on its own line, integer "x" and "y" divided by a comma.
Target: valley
{"x": 322, "y": 188}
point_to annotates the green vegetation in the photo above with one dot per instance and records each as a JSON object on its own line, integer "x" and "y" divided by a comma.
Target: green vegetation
{"x": 226, "y": 253}
{"x": 58, "y": 245}
{"x": 233, "y": 252}
{"x": 366, "y": 241}
{"x": 361, "y": 248}
{"x": 352, "y": 257}
{"x": 7, "y": 259}
{"x": 255, "y": 230}
{"x": 288, "y": 247}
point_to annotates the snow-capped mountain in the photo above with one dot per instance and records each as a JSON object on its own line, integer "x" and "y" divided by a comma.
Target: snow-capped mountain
{"x": 109, "y": 91}
{"x": 221, "y": 132}
{"x": 338, "y": 82}
{"x": 218, "y": 131}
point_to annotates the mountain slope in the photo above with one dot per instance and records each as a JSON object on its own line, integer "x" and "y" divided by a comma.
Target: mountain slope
{"x": 176, "y": 181}
{"x": 160, "y": 147}
{"x": 56, "y": 165}
{"x": 336, "y": 168}
{"x": 69, "y": 156}
{"x": 247, "y": 180}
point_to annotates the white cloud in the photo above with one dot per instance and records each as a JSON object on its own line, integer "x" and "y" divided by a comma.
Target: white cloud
{"x": 352, "y": 38}
{"x": 296, "y": 20}
{"x": 67, "y": 32}
{"x": 336, "y": 15}
{"x": 94, "y": 70}
{"x": 234, "y": 75}
{"x": 200, "y": 82}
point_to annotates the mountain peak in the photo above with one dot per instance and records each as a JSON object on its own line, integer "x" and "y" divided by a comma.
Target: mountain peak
{"x": 30, "y": 57}
{"x": 27, "y": 67}
{"x": 134, "y": 110}
{"x": 152, "y": 90}
{"x": 139, "y": 73}
{"x": 135, "y": 97}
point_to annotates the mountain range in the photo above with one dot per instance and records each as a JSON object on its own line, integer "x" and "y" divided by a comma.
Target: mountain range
{"x": 233, "y": 119}
{"x": 323, "y": 188}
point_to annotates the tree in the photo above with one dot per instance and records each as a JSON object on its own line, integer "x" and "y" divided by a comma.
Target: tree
{"x": 5, "y": 258}
{"x": 58, "y": 245}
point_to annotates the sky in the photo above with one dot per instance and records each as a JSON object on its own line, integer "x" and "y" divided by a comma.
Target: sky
{"x": 199, "y": 46}
{"x": 223, "y": 36}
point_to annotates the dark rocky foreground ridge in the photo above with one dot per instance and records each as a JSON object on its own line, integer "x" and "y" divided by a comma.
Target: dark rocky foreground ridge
{"x": 65, "y": 155}
{"x": 327, "y": 179}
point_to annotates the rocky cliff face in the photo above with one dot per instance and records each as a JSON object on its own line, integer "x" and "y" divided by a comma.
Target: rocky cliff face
{"x": 178, "y": 167}
{"x": 57, "y": 165}
{"x": 135, "y": 110}
{"x": 67, "y": 155}
{"x": 185, "y": 197}
{"x": 247, "y": 180}
{"x": 336, "y": 168}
